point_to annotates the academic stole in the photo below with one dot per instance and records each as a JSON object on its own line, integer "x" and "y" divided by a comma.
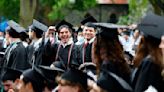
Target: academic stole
{"x": 69, "y": 53}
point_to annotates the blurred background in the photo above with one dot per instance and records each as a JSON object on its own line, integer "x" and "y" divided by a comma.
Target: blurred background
{"x": 51, "y": 11}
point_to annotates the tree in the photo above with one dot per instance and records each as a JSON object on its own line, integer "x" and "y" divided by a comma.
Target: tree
{"x": 10, "y": 9}
{"x": 47, "y": 11}
{"x": 137, "y": 8}
{"x": 63, "y": 7}
{"x": 27, "y": 11}
{"x": 158, "y": 6}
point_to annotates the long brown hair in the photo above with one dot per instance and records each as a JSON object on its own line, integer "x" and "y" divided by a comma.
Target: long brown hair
{"x": 148, "y": 46}
{"x": 141, "y": 52}
{"x": 111, "y": 50}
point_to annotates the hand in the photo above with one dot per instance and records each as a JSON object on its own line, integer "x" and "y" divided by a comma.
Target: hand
{"x": 50, "y": 31}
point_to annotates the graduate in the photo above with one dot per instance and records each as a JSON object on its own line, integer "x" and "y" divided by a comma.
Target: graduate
{"x": 8, "y": 79}
{"x": 40, "y": 79}
{"x": 15, "y": 54}
{"x": 162, "y": 48}
{"x": 31, "y": 81}
{"x": 36, "y": 55}
{"x": 148, "y": 57}
{"x": 85, "y": 48}
{"x": 66, "y": 49}
{"x": 73, "y": 80}
{"x": 113, "y": 71}
{"x": 80, "y": 37}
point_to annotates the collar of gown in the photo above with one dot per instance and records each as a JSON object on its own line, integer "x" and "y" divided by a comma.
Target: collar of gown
{"x": 70, "y": 41}
{"x": 90, "y": 41}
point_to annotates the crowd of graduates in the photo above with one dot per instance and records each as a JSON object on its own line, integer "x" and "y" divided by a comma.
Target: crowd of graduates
{"x": 94, "y": 57}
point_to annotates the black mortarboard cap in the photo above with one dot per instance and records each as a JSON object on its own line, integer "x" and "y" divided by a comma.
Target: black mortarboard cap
{"x": 59, "y": 66}
{"x": 88, "y": 19}
{"x": 110, "y": 83}
{"x": 16, "y": 26}
{"x": 11, "y": 74}
{"x": 152, "y": 25}
{"x": 107, "y": 30}
{"x": 39, "y": 26}
{"x": 49, "y": 74}
{"x": 75, "y": 76}
{"x": 89, "y": 24}
{"x": 88, "y": 66}
{"x": 14, "y": 29}
{"x": 33, "y": 76}
{"x": 63, "y": 22}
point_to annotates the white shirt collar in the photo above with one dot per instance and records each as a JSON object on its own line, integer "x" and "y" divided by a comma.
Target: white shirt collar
{"x": 36, "y": 43}
{"x": 70, "y": 41}
{"x": 90, "y": 41}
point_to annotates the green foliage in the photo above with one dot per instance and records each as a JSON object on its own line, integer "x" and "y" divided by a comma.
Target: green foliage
{"x": 83, "y": 5}
{"x": 137, "y": 8}
{"x": 10, "y": 9}
{"x": 57, "y": 7}
{"x": 158, "y": 6}
{"x": 63, "y": 7}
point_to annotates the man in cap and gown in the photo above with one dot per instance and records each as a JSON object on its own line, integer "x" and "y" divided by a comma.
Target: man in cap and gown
{"x": 40, "y": 79}
{"x": 85, "y": 48}
{"x": 36, "y": 50}
{"x": 65, "y": 50}
{"x": 8, "y": 79}
{"x": 80, "y": 37}
{"x": 15, "y": 54}
{"x": 73, "y": 80}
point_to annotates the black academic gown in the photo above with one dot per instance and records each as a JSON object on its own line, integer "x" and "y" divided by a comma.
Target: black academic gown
{"x": 62, "y": 55}
{"x": 16, "y": 57}
{"x": 148, "y": 74}
{"x": 84, "y": 53}
{"x": 43, "y": 54}
{"x": 112, "y": 83}
{"x": 30, "y": 51}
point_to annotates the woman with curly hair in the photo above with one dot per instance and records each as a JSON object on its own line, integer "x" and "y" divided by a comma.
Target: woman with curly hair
{"x": 113, "y": 71}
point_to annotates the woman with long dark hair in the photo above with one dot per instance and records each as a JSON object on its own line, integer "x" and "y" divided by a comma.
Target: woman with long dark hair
{"x": 148, "y": 58}
{"x": 162, "y": 48}
{"x": 109, "y": 57}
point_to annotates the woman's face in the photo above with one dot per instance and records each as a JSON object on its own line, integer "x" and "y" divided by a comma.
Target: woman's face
{"x": 64, "y": 87}
{"x": 162, "y": 45}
